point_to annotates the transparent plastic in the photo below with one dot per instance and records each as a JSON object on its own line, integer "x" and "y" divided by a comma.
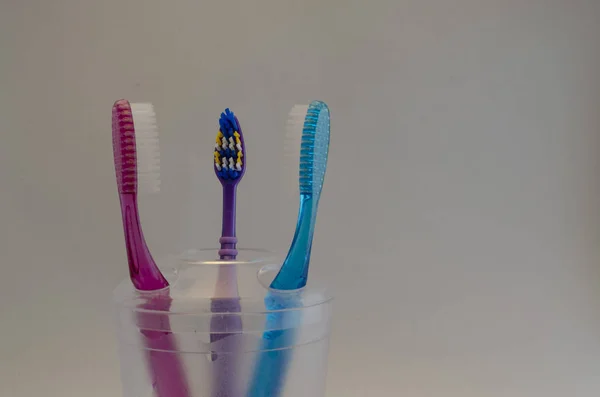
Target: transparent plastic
{"x": 180, "y": 342}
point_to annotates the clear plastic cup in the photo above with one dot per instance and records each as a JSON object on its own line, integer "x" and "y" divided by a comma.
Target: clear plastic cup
{"x": 182, "y": 342}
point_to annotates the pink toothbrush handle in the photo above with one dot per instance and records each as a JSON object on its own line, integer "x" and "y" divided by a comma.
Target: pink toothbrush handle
{"x": 166, "y": 369}
{"x": 144, "y": 273}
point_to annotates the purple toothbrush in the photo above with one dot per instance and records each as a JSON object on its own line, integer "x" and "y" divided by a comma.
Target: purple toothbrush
{"x": 230, "y": 166}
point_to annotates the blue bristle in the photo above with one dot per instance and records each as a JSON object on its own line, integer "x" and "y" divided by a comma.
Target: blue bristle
{"x": 227, "y": 123}
{"x": 314, "y": 148}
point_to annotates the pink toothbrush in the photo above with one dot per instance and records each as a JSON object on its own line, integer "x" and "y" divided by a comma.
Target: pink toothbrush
{"x": 135, "y": 144}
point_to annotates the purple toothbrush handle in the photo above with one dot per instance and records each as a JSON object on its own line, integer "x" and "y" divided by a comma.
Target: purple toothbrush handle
{"x": 226, "y": 339}
{"x": 228, "y": 247}
{"x": 143, "y": 271}
{"x": 225, "y": 327}
{"x": 228, "y": 239}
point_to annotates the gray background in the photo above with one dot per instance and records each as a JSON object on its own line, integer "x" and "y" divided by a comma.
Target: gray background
{"x": 459, "y": 224}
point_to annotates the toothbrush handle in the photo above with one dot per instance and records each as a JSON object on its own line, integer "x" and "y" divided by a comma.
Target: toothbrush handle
{"x": 294, "y": 271}
{"x": 225, "y": 338}
{"x": 275, "y": 353}
{"x": 276, "y": 349}
{"x": 226, "y": 324}
{"x": 228, "y": 239}
{"x": 143, "y": 271}
{"x": 166, "y": 370}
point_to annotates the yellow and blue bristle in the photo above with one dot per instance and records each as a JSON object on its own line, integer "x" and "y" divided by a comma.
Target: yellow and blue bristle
{"x": 229, "y": 152}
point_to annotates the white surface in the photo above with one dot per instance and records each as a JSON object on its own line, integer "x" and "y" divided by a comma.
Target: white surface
{"x": 459, "y": 222}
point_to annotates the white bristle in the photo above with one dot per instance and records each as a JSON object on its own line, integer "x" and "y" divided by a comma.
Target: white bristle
{"x": 147, "y": 147}
{"x": 291, "y": 147}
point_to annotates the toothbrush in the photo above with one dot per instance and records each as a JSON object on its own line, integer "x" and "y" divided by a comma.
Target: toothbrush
{"x": 143, "y": 271}
{"x": 135, "y": 146}
{"x": 230, "y": 166}
{"x": 311, "y": 124}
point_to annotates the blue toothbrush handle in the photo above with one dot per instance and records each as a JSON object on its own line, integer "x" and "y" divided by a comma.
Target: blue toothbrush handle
{"x": 276, "y": 349}
{"x": 275, "y": 352}
{"x": 294, "y": 271}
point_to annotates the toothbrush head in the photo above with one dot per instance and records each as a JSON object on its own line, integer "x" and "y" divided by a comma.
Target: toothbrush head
{"x": 135, "y": 146}
{"x": 314, "y": 148}
{"x": 229, "y": 154}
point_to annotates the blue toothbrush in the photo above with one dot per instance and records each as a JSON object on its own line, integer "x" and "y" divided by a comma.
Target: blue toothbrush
{"x": 280, "y": 333}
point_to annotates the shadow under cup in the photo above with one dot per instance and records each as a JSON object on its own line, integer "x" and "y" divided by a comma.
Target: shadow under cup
{"x": 184, "y": 342}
